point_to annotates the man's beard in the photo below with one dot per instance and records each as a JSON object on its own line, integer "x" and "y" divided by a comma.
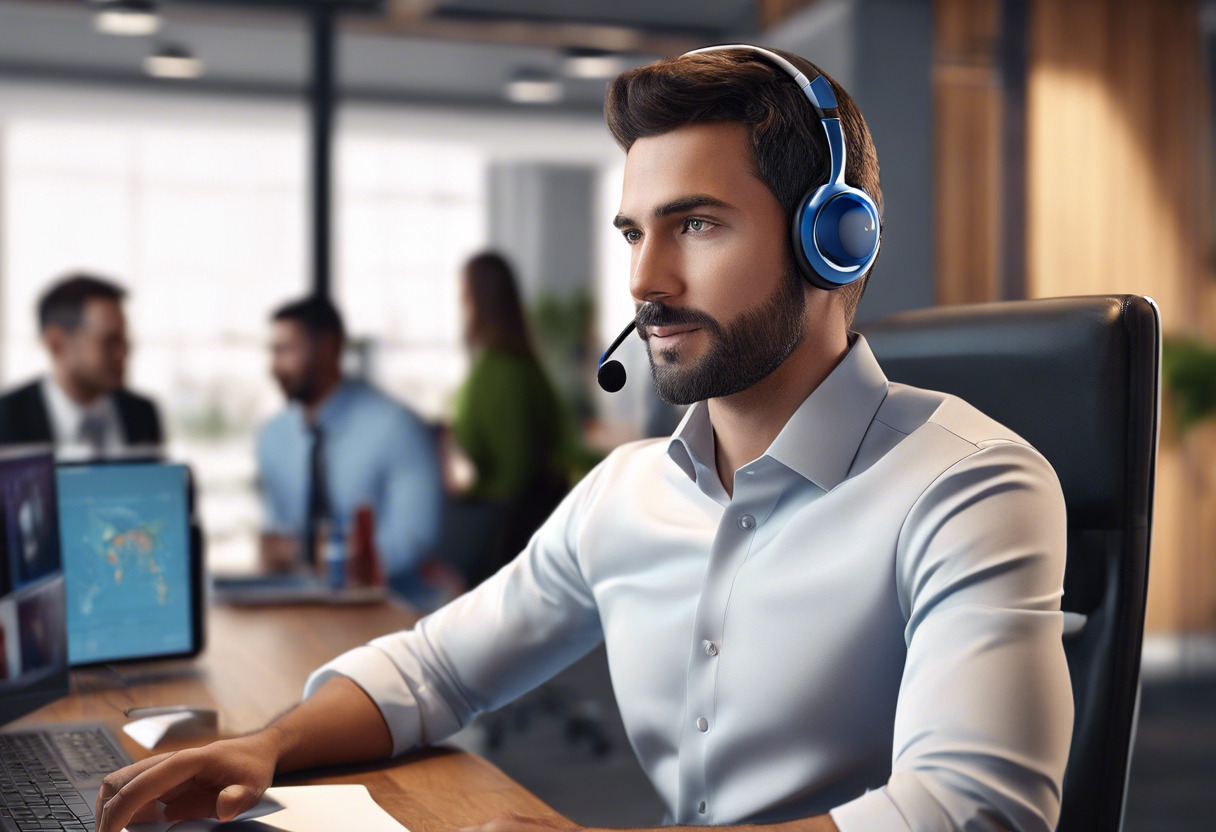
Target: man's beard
{"x": 304, "y": 391}
{"x": 740, "y": 354}
{"x": 97, "y": 383}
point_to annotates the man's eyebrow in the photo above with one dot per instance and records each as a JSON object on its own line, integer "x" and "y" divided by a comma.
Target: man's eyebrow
{"x": 684, "y": 203}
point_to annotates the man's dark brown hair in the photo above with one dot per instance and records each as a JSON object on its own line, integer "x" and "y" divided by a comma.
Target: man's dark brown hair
{"x": 316, "y": 314}
{"x": 789, "y": 147}
{"x": 63, "y": 304}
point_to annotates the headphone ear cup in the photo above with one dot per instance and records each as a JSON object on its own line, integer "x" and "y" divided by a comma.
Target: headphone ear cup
{"x": 835, "y": 236}
{"x": 804, "y": 243}
{"x": 846, "y": 230}
{"x": 806, "y": 253}
{"x": 857, "y": 232}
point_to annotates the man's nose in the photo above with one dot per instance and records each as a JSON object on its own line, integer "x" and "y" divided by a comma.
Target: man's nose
{"x": 655, "y": 273}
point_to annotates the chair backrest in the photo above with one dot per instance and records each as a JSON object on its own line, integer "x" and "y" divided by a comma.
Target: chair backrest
{"x": 1079, "y": 378}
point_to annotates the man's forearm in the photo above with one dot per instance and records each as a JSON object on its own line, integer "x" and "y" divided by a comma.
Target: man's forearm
{"x": 338, "y": 724}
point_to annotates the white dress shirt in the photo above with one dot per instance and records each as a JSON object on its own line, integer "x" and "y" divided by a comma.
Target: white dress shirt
{"x": 870, "y": 626}
{"x": 67, "y": 417}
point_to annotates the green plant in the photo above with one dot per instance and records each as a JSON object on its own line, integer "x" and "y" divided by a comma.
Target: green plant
{"x": 562, "y": 321}
{"x": 1188, "y": 370}
{"x": 562, "y": 324}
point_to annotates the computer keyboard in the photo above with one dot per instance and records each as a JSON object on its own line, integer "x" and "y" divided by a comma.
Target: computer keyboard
{"x": 87, "y": 751}
{"x": 36, "y": 794}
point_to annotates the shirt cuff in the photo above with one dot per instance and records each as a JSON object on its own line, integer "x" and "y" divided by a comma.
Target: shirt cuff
{"x": 874, "y": 811}
{"x": 372, "y": 670}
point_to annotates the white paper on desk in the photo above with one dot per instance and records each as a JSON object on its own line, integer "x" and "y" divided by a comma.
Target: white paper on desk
{"x": 151, "y": 730}
{"x": 305, "y": 809}
{"x": 266, "y": 806}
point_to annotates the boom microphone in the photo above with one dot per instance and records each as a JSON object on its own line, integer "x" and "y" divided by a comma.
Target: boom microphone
{"x": 611, "y": 374}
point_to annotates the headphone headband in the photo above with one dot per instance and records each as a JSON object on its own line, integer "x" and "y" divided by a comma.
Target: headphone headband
{"x": 817, "y": 89}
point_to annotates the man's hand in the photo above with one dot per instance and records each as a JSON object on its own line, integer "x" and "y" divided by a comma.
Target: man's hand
{"x": 338, "y": 724}
{"x": 220, "y": 780}
{"x": 520, "y": 823}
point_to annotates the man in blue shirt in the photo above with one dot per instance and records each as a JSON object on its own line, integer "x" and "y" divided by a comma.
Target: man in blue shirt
{"x": 341, "y": 444}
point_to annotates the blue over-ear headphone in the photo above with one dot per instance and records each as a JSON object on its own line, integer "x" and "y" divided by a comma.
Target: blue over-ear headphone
{"x": 836, "y": 228}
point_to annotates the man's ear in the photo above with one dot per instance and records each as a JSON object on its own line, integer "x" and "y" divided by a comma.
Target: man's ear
{"x": 330, "y": 344}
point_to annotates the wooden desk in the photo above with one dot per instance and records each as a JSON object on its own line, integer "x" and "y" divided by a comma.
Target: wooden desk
{"x": 254, "y": 668}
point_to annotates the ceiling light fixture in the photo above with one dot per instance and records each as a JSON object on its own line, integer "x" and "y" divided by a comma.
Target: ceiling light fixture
{"x": 591, "y": 63}
{"x": 533, "y": 86}
{"x": 130, "y": 18}
{"x": 173, "y": 61}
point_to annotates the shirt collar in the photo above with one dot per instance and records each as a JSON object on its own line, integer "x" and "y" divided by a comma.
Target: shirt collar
{"x": 333, "y": 405}
{"x": 66, "y": 415}
{"x": 820, "y": 440}
{"x": 693, "y": 442}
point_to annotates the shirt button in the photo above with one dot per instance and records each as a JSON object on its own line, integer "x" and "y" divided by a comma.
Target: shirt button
{"x": 702, "y": 724}
{"x": 701, "y": 808}
{"x": 711, "y": 649}
{"x": 747, "y": 522}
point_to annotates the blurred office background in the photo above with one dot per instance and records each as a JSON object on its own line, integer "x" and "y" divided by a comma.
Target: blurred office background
{"x": 1029, "y": 148}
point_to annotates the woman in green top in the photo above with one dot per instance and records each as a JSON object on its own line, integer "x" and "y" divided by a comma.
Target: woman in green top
{"x": 508, "y": 419}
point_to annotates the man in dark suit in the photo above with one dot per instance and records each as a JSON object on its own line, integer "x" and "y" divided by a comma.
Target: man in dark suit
{"x": 82, "y": 407}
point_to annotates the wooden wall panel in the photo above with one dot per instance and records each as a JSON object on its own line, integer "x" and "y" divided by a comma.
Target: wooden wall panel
{"x": 1118, "y": 164}
{"x": 967, "y": 151}
{"x": 772, "y": 12}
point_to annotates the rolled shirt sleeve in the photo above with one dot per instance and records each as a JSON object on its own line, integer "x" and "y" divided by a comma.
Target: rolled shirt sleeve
{"x": 517, "y": 629}
{"x": 985, "y": 712}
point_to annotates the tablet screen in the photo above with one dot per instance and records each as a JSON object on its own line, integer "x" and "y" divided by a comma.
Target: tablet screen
{"x": 126, "y": 558}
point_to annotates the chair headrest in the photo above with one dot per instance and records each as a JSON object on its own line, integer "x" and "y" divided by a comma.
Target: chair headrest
{"x": 1076, "y": 376}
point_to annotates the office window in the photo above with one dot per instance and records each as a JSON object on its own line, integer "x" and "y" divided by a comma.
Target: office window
{"x": 409, "y": 214}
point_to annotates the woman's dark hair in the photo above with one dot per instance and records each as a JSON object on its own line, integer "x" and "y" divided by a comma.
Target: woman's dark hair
{"x": 498, "y": 316}
{"x": 789, "y": 147}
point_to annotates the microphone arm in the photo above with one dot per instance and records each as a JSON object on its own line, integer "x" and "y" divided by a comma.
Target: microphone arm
{"x": 611, "y": 374}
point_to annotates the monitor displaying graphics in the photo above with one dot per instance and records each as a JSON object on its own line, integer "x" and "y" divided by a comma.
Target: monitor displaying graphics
{"x": 33, "y": 640}
{"x": 129, "y": 562}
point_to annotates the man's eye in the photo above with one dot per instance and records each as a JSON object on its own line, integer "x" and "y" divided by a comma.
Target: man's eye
{"x": 632, "y": 235}
{"x": 696, "y": 225}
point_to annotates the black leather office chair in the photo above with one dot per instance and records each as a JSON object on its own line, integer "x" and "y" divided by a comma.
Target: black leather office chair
{"x": 1079, "y": 378}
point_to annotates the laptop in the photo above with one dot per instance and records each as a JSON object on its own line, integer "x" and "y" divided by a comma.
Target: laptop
{"x": 49, "y": 774}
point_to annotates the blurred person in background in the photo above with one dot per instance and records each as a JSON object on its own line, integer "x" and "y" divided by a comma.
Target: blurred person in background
{"x": 508, "y": 419}
{"x": 338, "y": 446}
{"x": 82, "y": 406}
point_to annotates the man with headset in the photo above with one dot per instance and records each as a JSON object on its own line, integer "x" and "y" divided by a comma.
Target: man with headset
{"x": 829, "y": 601}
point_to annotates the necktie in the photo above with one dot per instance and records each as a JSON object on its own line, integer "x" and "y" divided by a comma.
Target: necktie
{"x": 318, "y": 495}
{"x": 92, "y": 433}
